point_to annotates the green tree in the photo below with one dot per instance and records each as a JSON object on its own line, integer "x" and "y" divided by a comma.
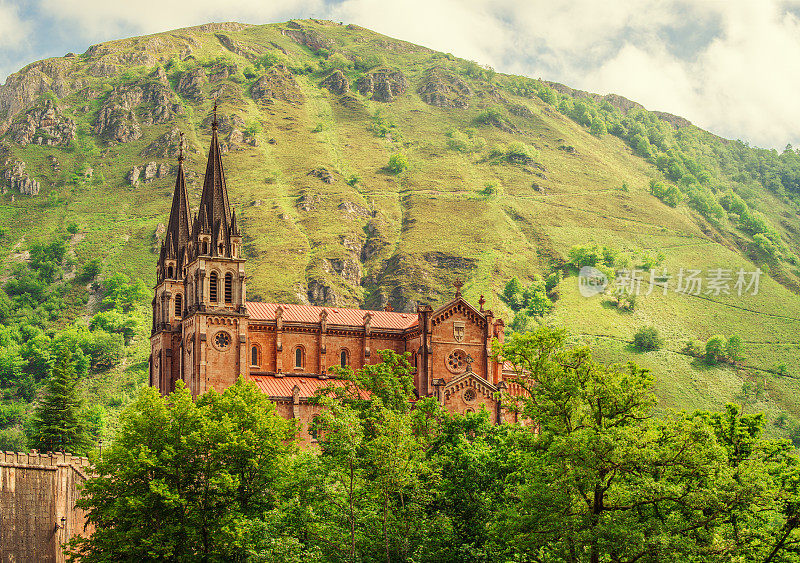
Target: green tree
{"x": 512, "y": 294}
{"x": 398, "y": 163}
{"x": 186, "y": 480}
{"x": 734, "y": 349}
{"x": 602, "y": 479}
{"x": 647, "y": 338}
{"x": 715, "y": 348}
{"x": 56, "y": 422}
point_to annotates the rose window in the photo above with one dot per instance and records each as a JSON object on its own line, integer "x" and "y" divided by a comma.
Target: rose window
{"x": 469, "y": 395}
{"x": 222, "y": 340}
{"x": 456, "y": 361}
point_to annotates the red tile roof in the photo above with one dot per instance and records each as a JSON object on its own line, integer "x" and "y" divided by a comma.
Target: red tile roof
{"x": 274, "y": 386}
{"x": 336, "y": 315}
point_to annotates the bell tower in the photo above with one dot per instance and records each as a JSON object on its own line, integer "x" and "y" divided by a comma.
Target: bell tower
{"x": 169, "y": 300}
{"x": 214, "y": 329}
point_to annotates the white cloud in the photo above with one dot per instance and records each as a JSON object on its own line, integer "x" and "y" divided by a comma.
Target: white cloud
{"x": 107, "y": 19}
{"x": 732, "y": 67}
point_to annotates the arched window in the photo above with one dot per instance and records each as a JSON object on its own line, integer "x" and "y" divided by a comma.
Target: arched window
{"x": 298, "y": 357}
{"x": 178, "y": 305}
{"x": 170, "y": 272}
{"x": 343, "y": 359}
{"x": 228, "y": 288}
{"x": 254, "y": 356}
{"x": 213, "y": 287}
{"x": 205, "y": 247}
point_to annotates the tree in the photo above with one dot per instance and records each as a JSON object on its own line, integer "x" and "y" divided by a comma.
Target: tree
{"x": 602, "y": 479}
{"x": 715, "y": 348}
{"x": 512, "y": 294}
{"x": 647, "y": 338}
{"x": 398, "y": 163}
{"x": 187, "y": 480}
{"x": 734, "y": 349}
{"x": 56, "y": 423}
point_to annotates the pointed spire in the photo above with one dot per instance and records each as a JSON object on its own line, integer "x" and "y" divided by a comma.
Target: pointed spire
{"x": 215, "y": 194}
{"x": 203, "y": 222}
{"x": 234, "y": 226}
{"x": 178, "y": 232}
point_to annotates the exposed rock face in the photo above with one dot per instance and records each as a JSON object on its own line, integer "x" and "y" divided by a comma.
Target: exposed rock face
{"x": 353, "y": 209}
{"x": 336, "y": 82}
{"x": 221, "y": 72}
{"x": 443, "y": 89}
{"x": 309, "y": 202}
{"x": 307, "y": 37}
{"x": 382, "y": 85}
{"x": 167, "y": 145}
{"x": 319, "y": 293}
{"x": 16, "y": 178}
{"x": 226, "y": 123}
{"x": 43, "y": 125}
{"x": 520, "y": 110}
{"x": 349, "y": 269}
{"x": 247, "y": 51}
{"x": 191, "y": 83}
{"x": 277, "y": 84}
{"x": 118, "y": 120}
{"x": 323, "y": 174}
{"x": 147, "y": 173}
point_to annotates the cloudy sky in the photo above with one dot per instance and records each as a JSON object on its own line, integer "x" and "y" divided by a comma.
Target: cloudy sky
{"x": 730, "y": 66}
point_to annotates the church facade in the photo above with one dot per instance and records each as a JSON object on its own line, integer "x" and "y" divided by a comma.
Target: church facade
{"x": 207, "y": 334}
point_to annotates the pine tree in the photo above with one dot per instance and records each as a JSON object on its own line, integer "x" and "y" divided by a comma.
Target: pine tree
{"x": 56, "y": 423}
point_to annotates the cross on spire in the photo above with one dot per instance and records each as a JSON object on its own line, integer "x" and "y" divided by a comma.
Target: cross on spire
{"x": 215, "y": 123}
{"x": 180, "y": 149}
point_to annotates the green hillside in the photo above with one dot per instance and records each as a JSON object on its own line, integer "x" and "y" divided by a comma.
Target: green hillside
{"x": 505, "y": 174}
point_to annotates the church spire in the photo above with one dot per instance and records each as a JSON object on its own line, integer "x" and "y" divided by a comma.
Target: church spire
{"x": 215, "y": 194}
{"x": 178, "y": 232}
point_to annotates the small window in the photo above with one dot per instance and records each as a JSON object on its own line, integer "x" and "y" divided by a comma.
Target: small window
{"x": 205, "y": 247}
{"x": 228, "y": 288}
{"x": 221, "y": 249}
{"x": 254, "y": 356}
{"x": 298, "y": 358}
{"x": 170, "y": 272}
{"x": 178, "y": 305}
{"x": 212, "y": 292}
{"x": 343, "y": 359}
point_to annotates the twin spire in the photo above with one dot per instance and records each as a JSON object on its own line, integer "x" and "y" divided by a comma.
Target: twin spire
{"x": 215, "y": 217}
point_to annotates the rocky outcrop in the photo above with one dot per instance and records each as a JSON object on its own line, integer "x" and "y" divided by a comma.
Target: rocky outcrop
{"x": 307, "y": 37}
{"x": 250, "y": 52}
{"x": 17, "y": 179}
{"x": 191, "y": 82}
{"x": 23, "y": 88}
{"x": 321, "y": 294}
{"x": 444, "y": 89}
{"x": 382, "y": 85}
{"x": 220, "y": 72}
{"x": 520, "y": 110}
{"x": 349, "y": 269}
{"x": 323, "y": 174}
{"x": 148, "y": 172}
{"x": 350, "y": 209}
{"x": 118, "y": 120}
{"x": 225, "y": 122}
{"x": 309, "y": 202}
{"x": 336, "y": 82}
{"x": 277, "y": 83}
{"x": 167, "y": 145}
{"x": 43, "y": 125}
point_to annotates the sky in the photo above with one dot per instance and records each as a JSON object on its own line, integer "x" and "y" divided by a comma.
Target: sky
{"x": 729, "y": 66}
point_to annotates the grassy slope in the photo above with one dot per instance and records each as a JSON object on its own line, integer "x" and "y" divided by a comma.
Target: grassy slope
{"x": 428, "y": 215}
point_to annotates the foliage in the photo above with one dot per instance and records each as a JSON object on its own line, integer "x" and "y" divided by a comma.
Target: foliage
{"x": 398, "y": 163}
{"x": 56, "y": 423}
{"x": 715, "y": 348}
{"x": 592, "y": 255}
{"x": 647, "y": 338}
{"x": 204, "y": 471}
{"x": 667, "y": 193}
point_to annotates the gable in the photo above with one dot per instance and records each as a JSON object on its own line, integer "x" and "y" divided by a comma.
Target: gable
{"x": 458, "y": 322}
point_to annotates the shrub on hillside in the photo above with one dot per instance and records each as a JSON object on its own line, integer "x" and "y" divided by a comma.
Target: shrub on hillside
{"x": 398, "y": 163}
{"x": 648, "y": 338}
{"x": 669, "y": 194}
{"x": 715, "y": 348}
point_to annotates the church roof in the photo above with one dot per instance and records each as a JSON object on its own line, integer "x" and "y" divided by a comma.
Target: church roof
{"x": 214, "y": 199}
{"x": 277, "y": 386}
{"x": 336, "y": 315}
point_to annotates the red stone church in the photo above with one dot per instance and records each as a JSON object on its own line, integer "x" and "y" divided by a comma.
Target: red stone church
{"x": 206, "y": 333}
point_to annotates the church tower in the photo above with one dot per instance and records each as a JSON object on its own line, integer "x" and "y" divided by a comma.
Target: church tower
{"x": 169, "y": 298}
{"x": 214, "y": 324}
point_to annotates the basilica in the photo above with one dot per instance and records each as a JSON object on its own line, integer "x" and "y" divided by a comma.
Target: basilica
{"x": 207, "y": 334}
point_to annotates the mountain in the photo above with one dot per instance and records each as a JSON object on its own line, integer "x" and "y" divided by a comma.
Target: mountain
{"x": 371, "y": 171}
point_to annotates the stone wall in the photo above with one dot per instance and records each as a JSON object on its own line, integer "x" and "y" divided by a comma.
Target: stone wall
{"x": 37, "y": 504}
